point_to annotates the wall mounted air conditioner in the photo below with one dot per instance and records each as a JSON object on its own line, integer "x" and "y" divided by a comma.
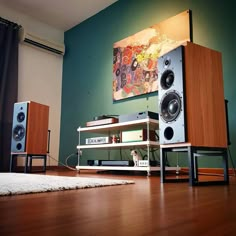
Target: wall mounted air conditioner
{"x": 31, "y": 39}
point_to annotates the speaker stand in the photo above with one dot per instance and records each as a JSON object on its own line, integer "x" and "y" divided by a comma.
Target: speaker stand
{"x": 193, "y": 154}
{"x": 28, "y": 161}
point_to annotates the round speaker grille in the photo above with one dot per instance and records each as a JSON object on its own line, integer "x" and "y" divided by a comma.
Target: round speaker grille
{"x": 20, "y": 116}
{"x": 18, "y": 132}
{"x": 19, "y": 146}
{"x": 170, "y": 106}
{"x": 168, "y": 133}
{"x": 167, "y": 79}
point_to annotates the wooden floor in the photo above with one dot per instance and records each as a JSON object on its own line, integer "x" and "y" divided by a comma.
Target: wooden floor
{"x": 144, "y": 208}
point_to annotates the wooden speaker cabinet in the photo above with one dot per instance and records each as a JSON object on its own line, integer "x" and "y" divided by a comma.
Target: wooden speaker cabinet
{"x": 30, "y": 128}
{"x": 191, "y": 97}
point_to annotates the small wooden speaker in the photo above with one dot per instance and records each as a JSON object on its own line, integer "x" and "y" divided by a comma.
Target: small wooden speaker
{"x": 30, "y": 128}
{"x": 191, "y": 97}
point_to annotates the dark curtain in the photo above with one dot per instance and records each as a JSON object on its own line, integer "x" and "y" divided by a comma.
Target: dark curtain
{"x": 9, "y": 44}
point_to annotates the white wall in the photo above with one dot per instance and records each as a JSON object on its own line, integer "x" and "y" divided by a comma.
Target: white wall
{"x": 31, "y": 25}
{"x": 40, "y": 74}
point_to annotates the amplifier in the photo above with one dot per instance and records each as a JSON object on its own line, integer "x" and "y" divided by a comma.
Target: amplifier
{"x": 137, "y": 135}
{"x": 117, "y": 163}
{"x": 110, "y": 163}
{"x": 102, "y": 122}
{"x": 98, "y": 140}
{"x": 138, "y": 116}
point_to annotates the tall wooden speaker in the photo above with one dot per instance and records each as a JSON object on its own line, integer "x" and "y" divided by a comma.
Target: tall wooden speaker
{"x": 191, "y": 97}
{"x": 30, "y": 128}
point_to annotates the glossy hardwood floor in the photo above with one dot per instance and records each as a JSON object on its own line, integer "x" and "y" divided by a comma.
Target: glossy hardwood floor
{"x": 144, "y": 208}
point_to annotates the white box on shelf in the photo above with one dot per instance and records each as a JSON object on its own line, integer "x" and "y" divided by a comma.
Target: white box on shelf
{"x": 98, "y": 140}
{"x": 143, "y": 163}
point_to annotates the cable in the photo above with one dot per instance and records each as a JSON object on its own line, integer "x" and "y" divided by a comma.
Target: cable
{"x": 65, "y": 165}
{"x": 157, "y": 136}
{"x": 177, "y": 164}
{"x": 232, "y": 161}
{"x": 228, "y": 134}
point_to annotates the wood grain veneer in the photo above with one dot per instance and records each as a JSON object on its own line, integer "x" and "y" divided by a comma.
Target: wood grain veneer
{"x": 204, "y": 91}
{"x": 37, "y": 128}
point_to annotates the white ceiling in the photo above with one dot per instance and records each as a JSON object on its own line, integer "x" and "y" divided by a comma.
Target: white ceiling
{"x": 61, "y": 14}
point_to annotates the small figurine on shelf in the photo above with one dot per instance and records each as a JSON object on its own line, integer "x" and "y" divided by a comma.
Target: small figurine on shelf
{"x": 114, "y": 139}
{"x": 136, "y": 157}
{"x": 118, "y": 139}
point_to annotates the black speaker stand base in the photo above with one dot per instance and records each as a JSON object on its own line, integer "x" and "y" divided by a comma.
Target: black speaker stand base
{"x": 193, "y": 153}
{"x": 28, "y": 161}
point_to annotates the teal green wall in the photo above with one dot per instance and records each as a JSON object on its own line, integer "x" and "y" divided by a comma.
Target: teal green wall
{"x": 87, "y": 69}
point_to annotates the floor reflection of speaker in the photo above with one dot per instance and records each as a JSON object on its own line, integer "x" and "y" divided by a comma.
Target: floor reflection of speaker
{"x": 30, "y": 128}
{"x": 191, "y": 97}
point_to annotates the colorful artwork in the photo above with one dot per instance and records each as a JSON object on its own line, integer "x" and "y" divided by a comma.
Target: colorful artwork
{"x": 135, "y": 58}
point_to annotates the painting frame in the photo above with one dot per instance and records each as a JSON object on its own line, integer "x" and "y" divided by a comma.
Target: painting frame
{"x": 135, "y": 57}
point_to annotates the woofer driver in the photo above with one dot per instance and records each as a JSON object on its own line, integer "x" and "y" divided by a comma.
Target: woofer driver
{"x": 170, "y": 106}
{"x": 18, "y": 132}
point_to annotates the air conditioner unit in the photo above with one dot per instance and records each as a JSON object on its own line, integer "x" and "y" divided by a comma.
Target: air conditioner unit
{"x": 28, "y": 38}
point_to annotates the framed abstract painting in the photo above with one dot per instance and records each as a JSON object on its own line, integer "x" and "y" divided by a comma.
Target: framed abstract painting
{"x": 135, "y": 57}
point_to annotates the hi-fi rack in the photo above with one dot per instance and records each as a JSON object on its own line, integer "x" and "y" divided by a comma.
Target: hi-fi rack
{"x": 108, "y": 130}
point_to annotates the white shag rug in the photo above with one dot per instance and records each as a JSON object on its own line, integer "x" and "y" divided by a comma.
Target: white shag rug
{"x": 20, "y": 183}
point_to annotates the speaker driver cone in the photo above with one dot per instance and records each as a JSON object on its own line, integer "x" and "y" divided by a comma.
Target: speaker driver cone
{"x": 18, "y": 132}
{"x": 170, "y": 106}
{"x": 167, "y": 62}
{"x": 167, "y": 79}
{"x": 20, "y": 116}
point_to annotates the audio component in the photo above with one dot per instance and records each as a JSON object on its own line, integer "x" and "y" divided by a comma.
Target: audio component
{"x": 137, "y": 135}
{"x": 138, "y": 116}
{"x": 102, "y": 117}
{"x": 116, "y": 163}
{"x": 143, "y": 163}
{"x": 93, "y": 162}
{"x": 98, "y": 140}
{"x": 30, "y": 128}
{"x": 110, "y": 163}
{"x": 191, "y": 97}
{"x": 102, "y": 122}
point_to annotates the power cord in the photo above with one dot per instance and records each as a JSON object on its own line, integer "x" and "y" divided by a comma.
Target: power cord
{"x": 232, "y": 162}
{"x": 66, "y": 161}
